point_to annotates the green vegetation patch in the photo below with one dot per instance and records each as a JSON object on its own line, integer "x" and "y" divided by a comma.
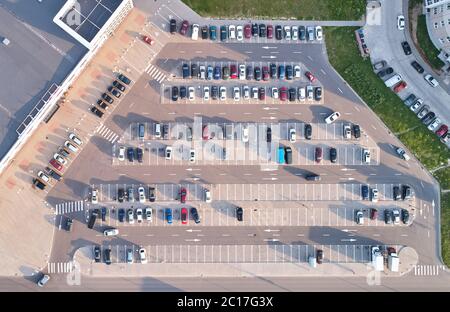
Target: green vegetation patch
{"x": 443, "y": 176}
{"x": 445, "y": 227}
{"x": 425, "y": 43}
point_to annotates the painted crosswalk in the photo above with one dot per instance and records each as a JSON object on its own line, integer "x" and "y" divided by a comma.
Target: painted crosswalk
{"x": 427, "y": 270}
{"x": 69, "y": 207}
{"x": 59, "y": 267}
{"x": 107, "y": 133}
{"x": 155, "y": 73}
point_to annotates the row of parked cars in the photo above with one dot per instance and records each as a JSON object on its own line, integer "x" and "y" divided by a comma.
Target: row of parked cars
{"x": 59, "y": 160}
{"x": 403, "y": 192}
{"x": 391, "y": 216}
{"x": 244, "y": 72}
{"x": 129, "y": 195}
{"x": 115, "y": 90}
{"x": 247, "y": 31}
{"x": 246, "y": 92}
{"x": 97, "y": 255}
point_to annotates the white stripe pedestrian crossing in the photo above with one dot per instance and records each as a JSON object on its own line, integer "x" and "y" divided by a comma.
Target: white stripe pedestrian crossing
{"x": 427, "y": 270}
{"x": 107, "y": 133}
{"x": 59, "y": 267}
{"x": 69, "y": 207}
{"x": 155, "y": 73}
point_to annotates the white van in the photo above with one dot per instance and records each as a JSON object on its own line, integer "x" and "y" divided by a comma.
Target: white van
{"x": 393, "y": 80}
{"x": 158, "y": 130}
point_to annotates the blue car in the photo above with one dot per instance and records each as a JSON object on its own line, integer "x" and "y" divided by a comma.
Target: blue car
{"x": 217, "y": 72}
{"x": 281, "y": 155}
{"x": 213, "y": 32}
{"x": 281, "y": 72}
{"x": 223, "y": 33}
{"x": 209, "y": 72}
{"x": 168, "y": 212}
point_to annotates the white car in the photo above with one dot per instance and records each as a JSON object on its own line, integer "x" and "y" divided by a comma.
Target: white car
{"x": 223, "y": 93}
{"x": 240, "y": 33}
{"x": 94, "y": 196}
{"x": 236, "y": 93}
{"x": 232, "y": 31}
{"x": 71, "y": 147}
{"x": 202, "y": 70}
{"x": 403, "y": 154}
{"x": 301, "y": 94}
{"x": 121, "y": 153}
{"x": 141, "y": 192}
{"x": 139, "y": 215}
{"x": 245, "y": 134}
{"x": 400, "y": 22}
{"x": 43, "y": 176}
{"x": 416, "y": 105}
{"x": 297, "y": 73}
{"x": 59, "y": 159}
{"x": 75, "y": 139}
{"x": 359, "y": 217}
{"x": 207, "y": 196}
{"x": 366, "y": 156}
{"x": 374, "y": 195}
{"x": 192, "y": 155}
{"x": 333, "y": 117}
{"x": 287, "y": 32}
{"x": 294, "y": 30}
{"x": 195, "y": 28}
{"x": 430, "y": 79}
{"x": 319, "y": 33}
{"x": 292, "y": 135}
{"x": 246, "y": 92}
{"x": 242, "y": 72}
{"x": 44, "y": 280}
{"x": 130, "y": 216}
{"x": 347, "y": 131}
{"x": 255, "y": 92}
{"x": 206, "y": 93}
{"x": 168, "y": 152}
{"x": 110, "y": 232}
{"x": 143, "y": 255}
{"x": 396, "y": 214}
{"x": 275, "y": 93}
{"x": 191, "y": 93}
{"x": 433, "y": 126}
{"x": 310, "y": 92}
{"x": 148, "y": 214}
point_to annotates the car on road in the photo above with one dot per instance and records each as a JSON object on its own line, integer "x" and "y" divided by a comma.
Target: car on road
{"x": 173, "y": 26}
{"x": 97, "y": 253}
{"x": 374, "y": 197}
{"x": 183, "y": 195}
{"x": 417, "y": 67}
{"x": 406, "y": 48}
{"x": 400, "y": 22}
{"x": 333, "y": 155}
{"x": 333, "y": 117}
{"x": 130, "y": 214}
{"x": 310, "y": 76}
{"x": 308, "y": 131}
{"x": 312, "y": 177}
{"x": 365, "y": 192}
{"x": 143, "y": 255}
{"x": 239, "y": 214}
{"x": 184, "y": 27}
{"x": 359, "y": 217}
{"x": 402, "y": 153}
{"x": 366, "y": 156}
{"x": 111, "y": 232}
{"x": 405, "y": 216}
{"x": 318, "y": 154}
{"x": 388, "y": 217}
{"x": 431, "y": 80}
{"x": 195, "y": 215}
{"x": 385, "y": 72}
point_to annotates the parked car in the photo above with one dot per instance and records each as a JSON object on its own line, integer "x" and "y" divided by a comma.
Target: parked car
{"x": 365, "y": 192}
{"x": 310, "y": 76}
{"x": 312, "y": 177}
{"x": 359, "y": 217}
{"x": 406, "y": 48}
{"x": 183, "y": 195}
{"x": 373, "y": 214}
{"x": 400, "y": 22}
{"x": 184, "y": 216}
{"x": 173, "y": 26}
{"x": 319, "y": 256}
{"x": 124, "y": 79}
{"x": 184, "y": 27}
{"x": 379, "y": 65}
{"x": 428, "y": 118}
{"x": 400, "y": 86}
{"x": 168, "y": 214}
{"x": 405, "y": 216}
{"x": 356, "y": 131}
{"x": 433, "y": 126}
{"x": 406, "y": 192}
{"x": 417, "y": 67}
{"x": 388, "y": 217}
{"x": 308, "y": 131}
{"x": 195, "y": 215}
{"x": 318, "y": 154}
{"x": 239, "y": 214}
{"x": 396, "y": 215}
{"x": 366, "y": 156}
{"x": 396, "y": 193}
{"x": 385, "y": 72}
{"x": 333, "y": 155}
{"x": 374, "y": 196}
{"x": 442, "y": 131}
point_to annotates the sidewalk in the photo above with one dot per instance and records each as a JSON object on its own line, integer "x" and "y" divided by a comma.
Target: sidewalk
{"x": 83, "y": 256}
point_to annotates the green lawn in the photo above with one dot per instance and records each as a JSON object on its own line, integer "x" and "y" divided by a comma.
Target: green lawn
{"x": 445, "y": 227}
{"x": 300, "y": 9}
{"x": 426, "y": 45}
{"x": 443, "y": 175}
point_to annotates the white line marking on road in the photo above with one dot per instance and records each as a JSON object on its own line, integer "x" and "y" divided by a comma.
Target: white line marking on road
{"x": 339, "y": 89}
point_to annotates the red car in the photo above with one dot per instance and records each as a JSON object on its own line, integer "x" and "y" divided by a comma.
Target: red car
{"x": 373, "y": 214}
{"x": 310, "y": 76}
{"x": 56, "y": 164}
{"x": 184, "y": 27}
{"x": 442, "y": 130}
{"x": 247, "y": 31}
{"x": 318, "y": 154}
{"x": 183, "y": 194}
{"x": 205, "y": 133}
{"x": 265, "y": 71}
{"x": 400, "y": 86}
{"x": 184, "y": 216}
{"x": 148, "y": 40}
{"x": 283, "y": 94}
{"x": 233, "y": 72}
{"x": 269, "y": 31}
{"x": 262, "y": 94}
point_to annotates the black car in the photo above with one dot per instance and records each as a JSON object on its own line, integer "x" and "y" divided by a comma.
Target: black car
{"x": 262, "y": 30}
{"x": 405, "y": 216}
{"x": 269, "y": 135}
{"x": 278, "y": 32}
{"x": 185, "y": 71}
{"x": 69, "y": 223}
{"x": 194, "y": 214}
{"x": 258, "y": 73}
{"x": 289, "y": 72}
{"x": 107, "y": 256}
{"x": 365, "y": 192}
{"x": 103, "y": 213}
{"x": 417, "y": 67}
{"x": 396, "y": 193}
{"x": 301, "y": 32}
{"x": 96, "y": 111}
{"x": 406, "y": 192}
{"x": 312, "y": 177}
{"x": 385, "y": 72}
{"x": 107, "y": 98}
{"x": 124, "y": 79}
{"x": 273, "y": 71}
{"x": 194, "y": 71}
{"x": 174, "y": 93}
{"x": 183, "y": 92}
{"x": 39, "y": 184}
{"x": 151, "y": 194}
{"x": 318, "y": 93}
{"x": 102, "y": 104}
{"x": 97, "y": 253}
{"x": 130, "y": 154}
{"x": 288, "y": 155}
{"x": 223, "y": 33}
{"x": 205, "y": 32}
{"x": 292, "y": 94}
{"x": 333, "y": 155}
{"x": 120, "y": 194}
{"x": 114, "y": 92}
{"x": 319, "y": 256}
{"x": 308, "y": 131}
{"x": 173, "y": 26}
{"x": 139, "y": 154}
{"x": 255, "y": 30}
{"x": 118, "y": 85}
{"x": 214, "y": 92}
{"x": 121, "y": 214}
{"x": 239, "y": 214}
{"x": 356, "y": 131}
{"x": 388, "y": 216}
{"x": 249, "y": 72}
{"x": 428, "y": 118}
{"x": 406, "y": 48}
